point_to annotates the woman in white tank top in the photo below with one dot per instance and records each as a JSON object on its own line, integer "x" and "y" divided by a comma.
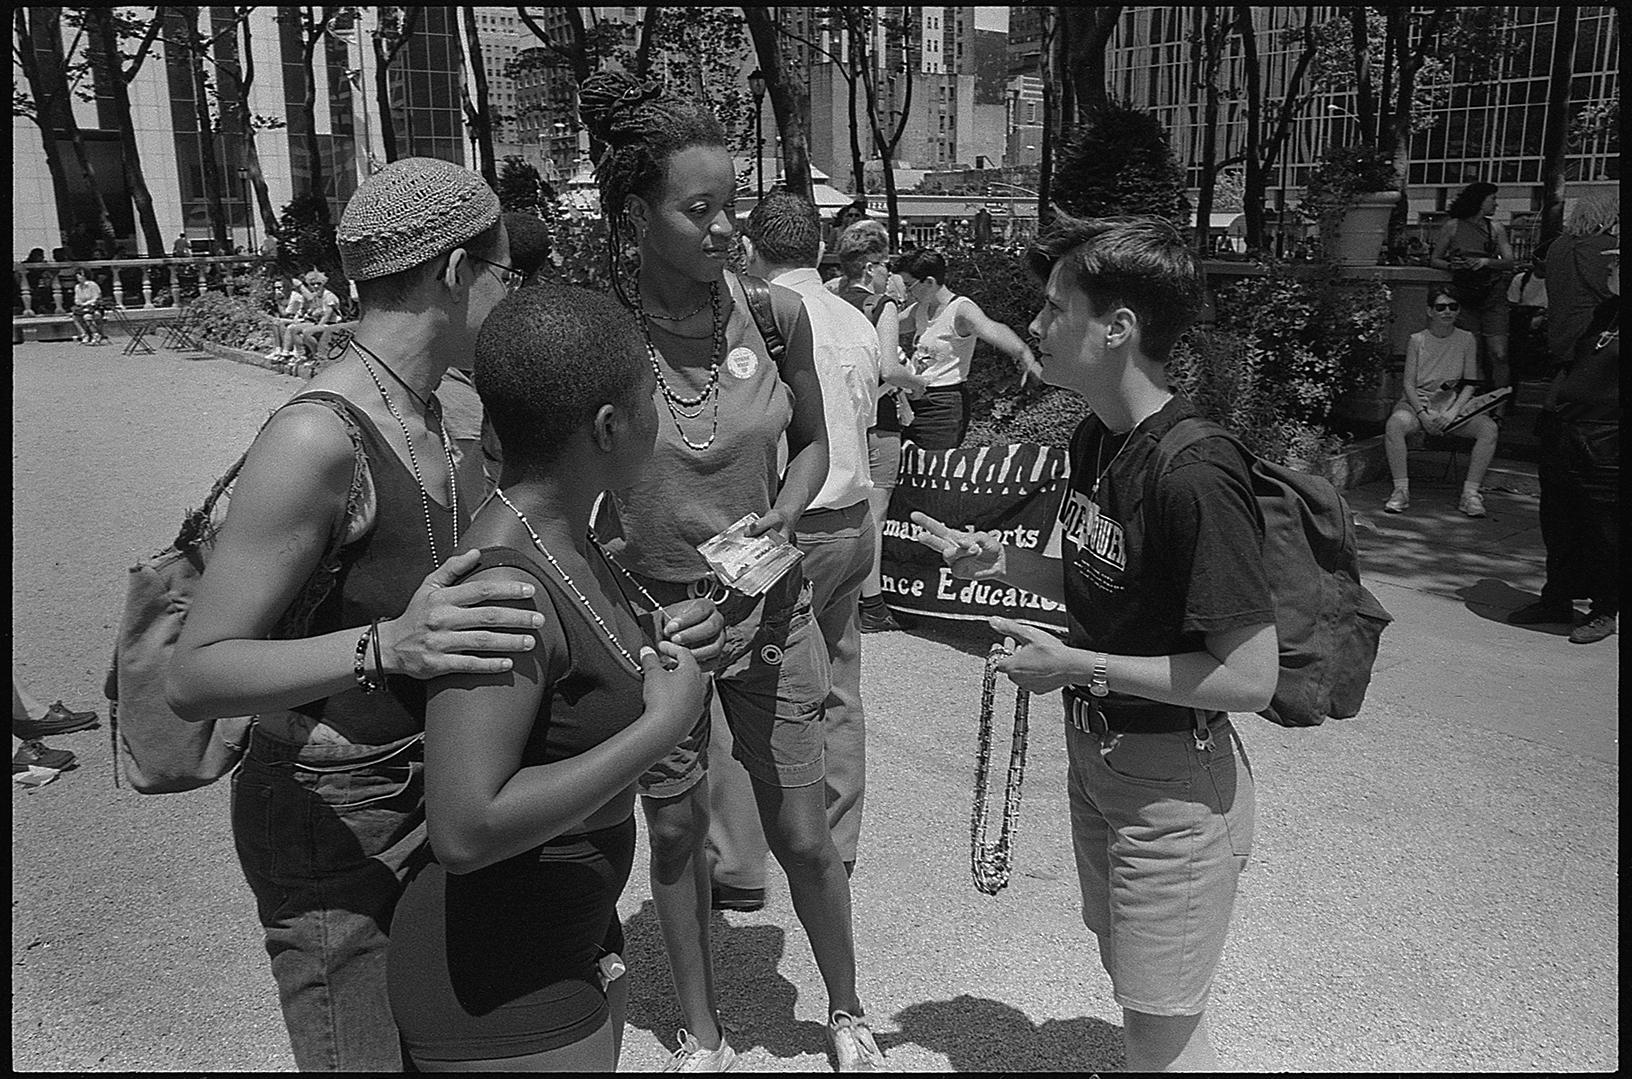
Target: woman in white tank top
{"x": 946, "y": 328}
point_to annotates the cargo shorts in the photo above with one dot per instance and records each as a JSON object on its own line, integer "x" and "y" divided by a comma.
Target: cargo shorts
{"x": 772, "y": 678}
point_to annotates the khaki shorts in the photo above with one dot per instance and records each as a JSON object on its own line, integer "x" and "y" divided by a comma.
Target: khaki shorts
{"x": 773, "y": 682}
{"x": 1162, "y": 831}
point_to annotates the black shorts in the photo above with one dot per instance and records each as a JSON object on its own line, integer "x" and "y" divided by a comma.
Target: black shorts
{"x": 503, "y": 962}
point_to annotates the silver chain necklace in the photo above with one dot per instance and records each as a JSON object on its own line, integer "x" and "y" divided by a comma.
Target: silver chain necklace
{"x": 679, "y": 406}
{"x": 363, "y": 353}
{"x": 576, "y": 591}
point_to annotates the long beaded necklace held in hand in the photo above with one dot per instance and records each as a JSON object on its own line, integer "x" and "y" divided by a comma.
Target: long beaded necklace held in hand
{"x": 576, "y": 591}
{"x": 430, "y": 405}
{"x": 679, "y": 406}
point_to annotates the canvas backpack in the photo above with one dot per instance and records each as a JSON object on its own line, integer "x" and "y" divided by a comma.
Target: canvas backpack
{"x": 1328, "y": 622}
{"x": 158, "y": 751}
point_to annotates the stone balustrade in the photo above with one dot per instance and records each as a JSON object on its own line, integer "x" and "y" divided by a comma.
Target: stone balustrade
{"x": 131, "y": 283}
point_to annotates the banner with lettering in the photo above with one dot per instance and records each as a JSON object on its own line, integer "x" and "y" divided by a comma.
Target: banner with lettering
{"x": 1012, "y": 489}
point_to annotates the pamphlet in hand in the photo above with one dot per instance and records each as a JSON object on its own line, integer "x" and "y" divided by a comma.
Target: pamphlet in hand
{"x": 749, "y": 564}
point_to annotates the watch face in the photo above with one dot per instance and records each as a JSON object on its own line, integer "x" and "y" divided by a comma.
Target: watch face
{"x": 1099, "y": 690}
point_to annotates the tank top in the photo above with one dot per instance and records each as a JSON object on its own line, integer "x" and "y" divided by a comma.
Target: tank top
{"x": 593, "y": 693}
{"x": 379, "y": 573}
{"x": 686, "y": 496}
{"x": 950, "y": 353}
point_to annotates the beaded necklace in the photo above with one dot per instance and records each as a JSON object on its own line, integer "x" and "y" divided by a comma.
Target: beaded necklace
{"x": 679, "y": 406}
{"x": 364, "y": 353}
{"x": 576, "y": 591}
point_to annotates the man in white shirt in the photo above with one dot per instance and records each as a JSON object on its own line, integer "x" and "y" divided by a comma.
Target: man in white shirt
{"x": 782, "y": 238}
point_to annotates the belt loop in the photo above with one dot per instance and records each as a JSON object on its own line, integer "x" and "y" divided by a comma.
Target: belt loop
{"x": 1204, "y": 733}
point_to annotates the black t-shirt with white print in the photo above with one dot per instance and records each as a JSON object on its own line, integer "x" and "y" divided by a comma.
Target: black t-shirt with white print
{"x": 1154, "y": 581}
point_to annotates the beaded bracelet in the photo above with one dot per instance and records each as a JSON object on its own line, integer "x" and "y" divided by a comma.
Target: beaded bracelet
{"x": 364, "y": 682}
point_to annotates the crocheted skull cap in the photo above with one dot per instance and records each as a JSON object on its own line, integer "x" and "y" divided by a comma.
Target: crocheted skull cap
{"x": 409, "y": 212}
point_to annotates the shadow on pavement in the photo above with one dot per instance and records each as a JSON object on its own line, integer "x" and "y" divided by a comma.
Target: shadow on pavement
{"x": 981, "y": 1035}
{"x": 1494, "y": 600}
{"x": 756, "y": 1001}
{"x": 971, "y": 638}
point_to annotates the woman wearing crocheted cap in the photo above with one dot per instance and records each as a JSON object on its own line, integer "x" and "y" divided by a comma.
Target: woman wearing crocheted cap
{"x": 505, "y": 951}
{"x": 731, "y": 381}
{"x": 333, "y": 594}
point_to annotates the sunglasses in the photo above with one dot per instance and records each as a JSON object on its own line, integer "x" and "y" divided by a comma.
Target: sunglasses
{"x": 1447, "y": 307}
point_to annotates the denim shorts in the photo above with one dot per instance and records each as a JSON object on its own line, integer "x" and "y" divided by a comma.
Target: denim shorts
{"x": 1162, "y": 831}
{"x": 325, "y": 835}
{"x": 773, "y": 681}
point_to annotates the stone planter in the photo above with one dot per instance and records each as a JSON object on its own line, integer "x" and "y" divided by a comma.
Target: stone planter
{"x": 1356, "y": 238}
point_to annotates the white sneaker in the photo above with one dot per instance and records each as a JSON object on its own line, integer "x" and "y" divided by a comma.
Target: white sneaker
{"x": 853, "y": 1044}
{"x": 692, "y": 1057}
{"x": 1398, "y": 502}
{"x": 1472, "y": 504}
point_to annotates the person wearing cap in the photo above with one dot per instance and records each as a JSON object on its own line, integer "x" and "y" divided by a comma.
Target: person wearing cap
{"x": 328, "y": 803}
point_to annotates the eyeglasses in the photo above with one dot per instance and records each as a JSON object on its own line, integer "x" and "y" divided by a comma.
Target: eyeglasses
{"x": 1447, "y": 307}
{"x": 510, "y": 277}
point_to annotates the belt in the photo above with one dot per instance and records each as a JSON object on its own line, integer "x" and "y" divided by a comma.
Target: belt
{"x": 1093, "y": 715}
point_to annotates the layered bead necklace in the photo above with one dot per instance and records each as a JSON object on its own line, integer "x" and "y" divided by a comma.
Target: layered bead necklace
{"x": 573, "y": 585}
{"x": 430, "y": 405}
{"x": 679, "y": 406}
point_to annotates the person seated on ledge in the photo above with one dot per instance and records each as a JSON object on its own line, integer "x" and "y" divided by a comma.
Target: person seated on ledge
{"x": 321, "y": 311}
{"x": 1439, "y": 360}
{"x": 87, "y": 310}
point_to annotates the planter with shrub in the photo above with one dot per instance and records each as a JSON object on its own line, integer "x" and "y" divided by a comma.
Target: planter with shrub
{"x": 1352, "y": 192}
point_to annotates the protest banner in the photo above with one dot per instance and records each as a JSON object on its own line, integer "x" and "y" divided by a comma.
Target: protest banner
{"x": 1012, "y": 489}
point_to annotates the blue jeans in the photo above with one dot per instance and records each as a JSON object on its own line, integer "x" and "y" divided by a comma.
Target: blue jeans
{"x": 326, "y": 836}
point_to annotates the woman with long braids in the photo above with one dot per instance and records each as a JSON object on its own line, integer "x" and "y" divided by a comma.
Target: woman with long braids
{"x": 724, "y": 400}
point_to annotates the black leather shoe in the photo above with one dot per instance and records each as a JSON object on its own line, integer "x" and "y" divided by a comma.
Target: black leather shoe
{"x": 744, "y": 899}
{"x": 57, "y": 720}
{"x": 39, "y": 755}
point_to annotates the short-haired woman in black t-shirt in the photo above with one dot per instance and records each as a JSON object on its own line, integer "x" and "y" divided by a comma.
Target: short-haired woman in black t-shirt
{"x": 1171, "y": 627}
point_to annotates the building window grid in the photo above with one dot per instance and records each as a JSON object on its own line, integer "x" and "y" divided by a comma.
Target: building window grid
{"x": 1504, "y": 112}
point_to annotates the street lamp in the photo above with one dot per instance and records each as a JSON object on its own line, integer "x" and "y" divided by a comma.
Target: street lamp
{"x": 756, "y": 85}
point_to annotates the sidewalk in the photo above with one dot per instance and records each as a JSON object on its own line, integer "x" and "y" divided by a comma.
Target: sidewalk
{"x": 1434, "y": 884}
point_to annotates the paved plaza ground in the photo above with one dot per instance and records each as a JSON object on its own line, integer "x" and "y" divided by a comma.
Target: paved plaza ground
{"x": 1433, "y": 887}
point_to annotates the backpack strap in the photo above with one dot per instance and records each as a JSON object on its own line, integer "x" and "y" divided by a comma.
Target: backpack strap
{"x": 757, "y": 291}
{"x": 1178, "y": 438}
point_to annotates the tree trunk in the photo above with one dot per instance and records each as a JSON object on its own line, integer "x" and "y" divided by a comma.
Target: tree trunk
{"x": 1086, "y": 31}
{"x": 1045, "y": 165}
{"x": 1555, "y": 129}
{"x": 648, "y": 37}
{"x": 1211, "y": 43}
{"x": 252, "y": 154}
{"x": 1058, "y": 68}
{"x": 789, "y": 100}
{"x": 1255, "y": 179}
{"x": 1364, "y": 104}
{"x": 107, "y": 38}
{"x": 312, "y": 32}
{"x": 206, "y": 132}
{"x": 382, "y": 99}
{"x": 26, "y": 37}
{"x": 858, "y": 169}
{"x": 482, "y": 115}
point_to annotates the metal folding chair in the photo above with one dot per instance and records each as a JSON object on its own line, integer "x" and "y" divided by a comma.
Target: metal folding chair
{"x": 135, "y": 331}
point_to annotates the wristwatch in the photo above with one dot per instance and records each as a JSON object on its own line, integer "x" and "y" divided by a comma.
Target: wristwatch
{"x": 1098, "y": 686}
